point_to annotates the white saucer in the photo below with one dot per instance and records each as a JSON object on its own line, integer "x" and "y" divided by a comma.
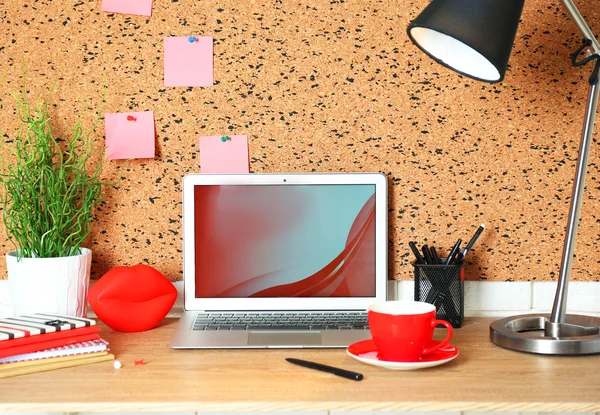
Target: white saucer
{"x": 366, "y": 352}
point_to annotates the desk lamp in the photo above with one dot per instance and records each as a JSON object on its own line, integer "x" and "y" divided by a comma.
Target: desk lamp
{"x": 474, "y": 38}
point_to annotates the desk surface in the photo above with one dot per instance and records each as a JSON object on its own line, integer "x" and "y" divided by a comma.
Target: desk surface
{"x": 483, "y": 377}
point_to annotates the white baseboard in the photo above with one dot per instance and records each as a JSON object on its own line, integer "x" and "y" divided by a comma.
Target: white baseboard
{"x": 501, "y": 299}
{"x": 482, "y": 298}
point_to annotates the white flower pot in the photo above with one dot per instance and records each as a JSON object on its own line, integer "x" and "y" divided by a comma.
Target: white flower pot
{"x": 50, "y": 285}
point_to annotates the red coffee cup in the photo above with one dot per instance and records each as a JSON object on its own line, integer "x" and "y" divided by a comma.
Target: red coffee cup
{"x": 403, "y": 330}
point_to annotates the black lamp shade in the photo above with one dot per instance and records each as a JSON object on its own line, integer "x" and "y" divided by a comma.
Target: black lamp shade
{"x": 472, "y": 37}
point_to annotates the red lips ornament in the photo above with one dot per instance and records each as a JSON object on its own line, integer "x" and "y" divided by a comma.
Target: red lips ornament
{"x": 132, "y": 299}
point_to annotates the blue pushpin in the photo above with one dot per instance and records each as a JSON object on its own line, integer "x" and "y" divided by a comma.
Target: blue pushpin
{"x": 192, "y": 39}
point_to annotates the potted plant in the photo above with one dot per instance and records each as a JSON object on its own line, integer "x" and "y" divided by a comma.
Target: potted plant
{"x": 50, "y": 187}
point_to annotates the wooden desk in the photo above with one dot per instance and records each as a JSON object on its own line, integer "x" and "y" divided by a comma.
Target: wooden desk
{"x": 483, "y": 377}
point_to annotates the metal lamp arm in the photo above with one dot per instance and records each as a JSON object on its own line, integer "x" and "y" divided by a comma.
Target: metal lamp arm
{"x": 561, "y": 333}
{"x": 559, "y": 309}
{"x": 581, "y": 24}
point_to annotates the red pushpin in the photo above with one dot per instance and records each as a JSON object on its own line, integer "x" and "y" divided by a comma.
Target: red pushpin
{"x": 131, "y": 118}
{"x": 139, "y": 362}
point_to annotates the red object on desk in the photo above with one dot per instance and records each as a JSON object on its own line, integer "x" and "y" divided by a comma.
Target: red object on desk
{"x": 45, "y": 344}
{"x": 49, "y": 337}
{"x": 132, "y": 299}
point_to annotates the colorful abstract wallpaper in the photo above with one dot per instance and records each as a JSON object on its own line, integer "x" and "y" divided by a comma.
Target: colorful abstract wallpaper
{"x": 285, "y": 241}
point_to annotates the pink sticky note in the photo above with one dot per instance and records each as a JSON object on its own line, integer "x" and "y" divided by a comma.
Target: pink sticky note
{"x": 139, "y": 7}
{"x": 130, "y": 135}
{"x": 189, "y": 63}
{"x": 218, "y": 156}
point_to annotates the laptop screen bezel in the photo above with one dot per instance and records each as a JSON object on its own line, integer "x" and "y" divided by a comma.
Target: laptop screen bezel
{"x": 191, "y": 303}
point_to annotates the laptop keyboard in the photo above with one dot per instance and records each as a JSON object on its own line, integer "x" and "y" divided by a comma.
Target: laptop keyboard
{"x": 282, "y": 321}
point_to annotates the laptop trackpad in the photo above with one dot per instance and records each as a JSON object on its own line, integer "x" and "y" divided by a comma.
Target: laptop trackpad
{"x": 284, "y": 338}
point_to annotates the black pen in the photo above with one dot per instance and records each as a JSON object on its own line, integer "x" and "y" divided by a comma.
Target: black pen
{"x": 453, "y": 252}
{"x": 460, "y": 258}
{"x": 435, "y": 256}
{"x": 427, "y": 255}
{"x": 413, "y": 247}
{"x": 324, "y": 368}
{"x": 473, "y": 239}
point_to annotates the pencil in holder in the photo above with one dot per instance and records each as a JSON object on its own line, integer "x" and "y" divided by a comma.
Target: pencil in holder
{"x": 444, "y": 287}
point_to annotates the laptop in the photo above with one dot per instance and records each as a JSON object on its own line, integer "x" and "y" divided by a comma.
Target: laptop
{"x": 281, "y": 260}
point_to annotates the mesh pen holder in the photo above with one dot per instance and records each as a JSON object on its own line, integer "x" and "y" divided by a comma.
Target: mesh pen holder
{"x": 444, "y": 287}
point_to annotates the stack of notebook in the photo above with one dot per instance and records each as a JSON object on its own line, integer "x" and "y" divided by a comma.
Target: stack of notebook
{"x": 41, "y": 342}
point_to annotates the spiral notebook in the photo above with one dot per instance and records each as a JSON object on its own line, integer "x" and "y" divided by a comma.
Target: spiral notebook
{"x": 92, "y": 346}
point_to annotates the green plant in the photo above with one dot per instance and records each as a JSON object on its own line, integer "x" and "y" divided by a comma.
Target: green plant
{"x": 50, "y": 186}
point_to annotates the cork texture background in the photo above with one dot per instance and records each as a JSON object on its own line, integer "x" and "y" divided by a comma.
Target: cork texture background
{"x": 325, "y": 86}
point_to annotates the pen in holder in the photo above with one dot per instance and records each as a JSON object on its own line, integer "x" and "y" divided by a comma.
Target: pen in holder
{"x": 442, "y": 286}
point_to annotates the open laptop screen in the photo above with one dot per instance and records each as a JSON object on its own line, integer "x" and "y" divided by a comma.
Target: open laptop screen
{"x": 300, "y": 240}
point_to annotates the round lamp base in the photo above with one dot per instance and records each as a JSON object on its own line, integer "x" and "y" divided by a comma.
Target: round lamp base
{"x": 535, "y": 333}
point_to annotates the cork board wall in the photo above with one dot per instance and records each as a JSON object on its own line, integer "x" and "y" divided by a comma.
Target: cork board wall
{"x": 326, "y": 86}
